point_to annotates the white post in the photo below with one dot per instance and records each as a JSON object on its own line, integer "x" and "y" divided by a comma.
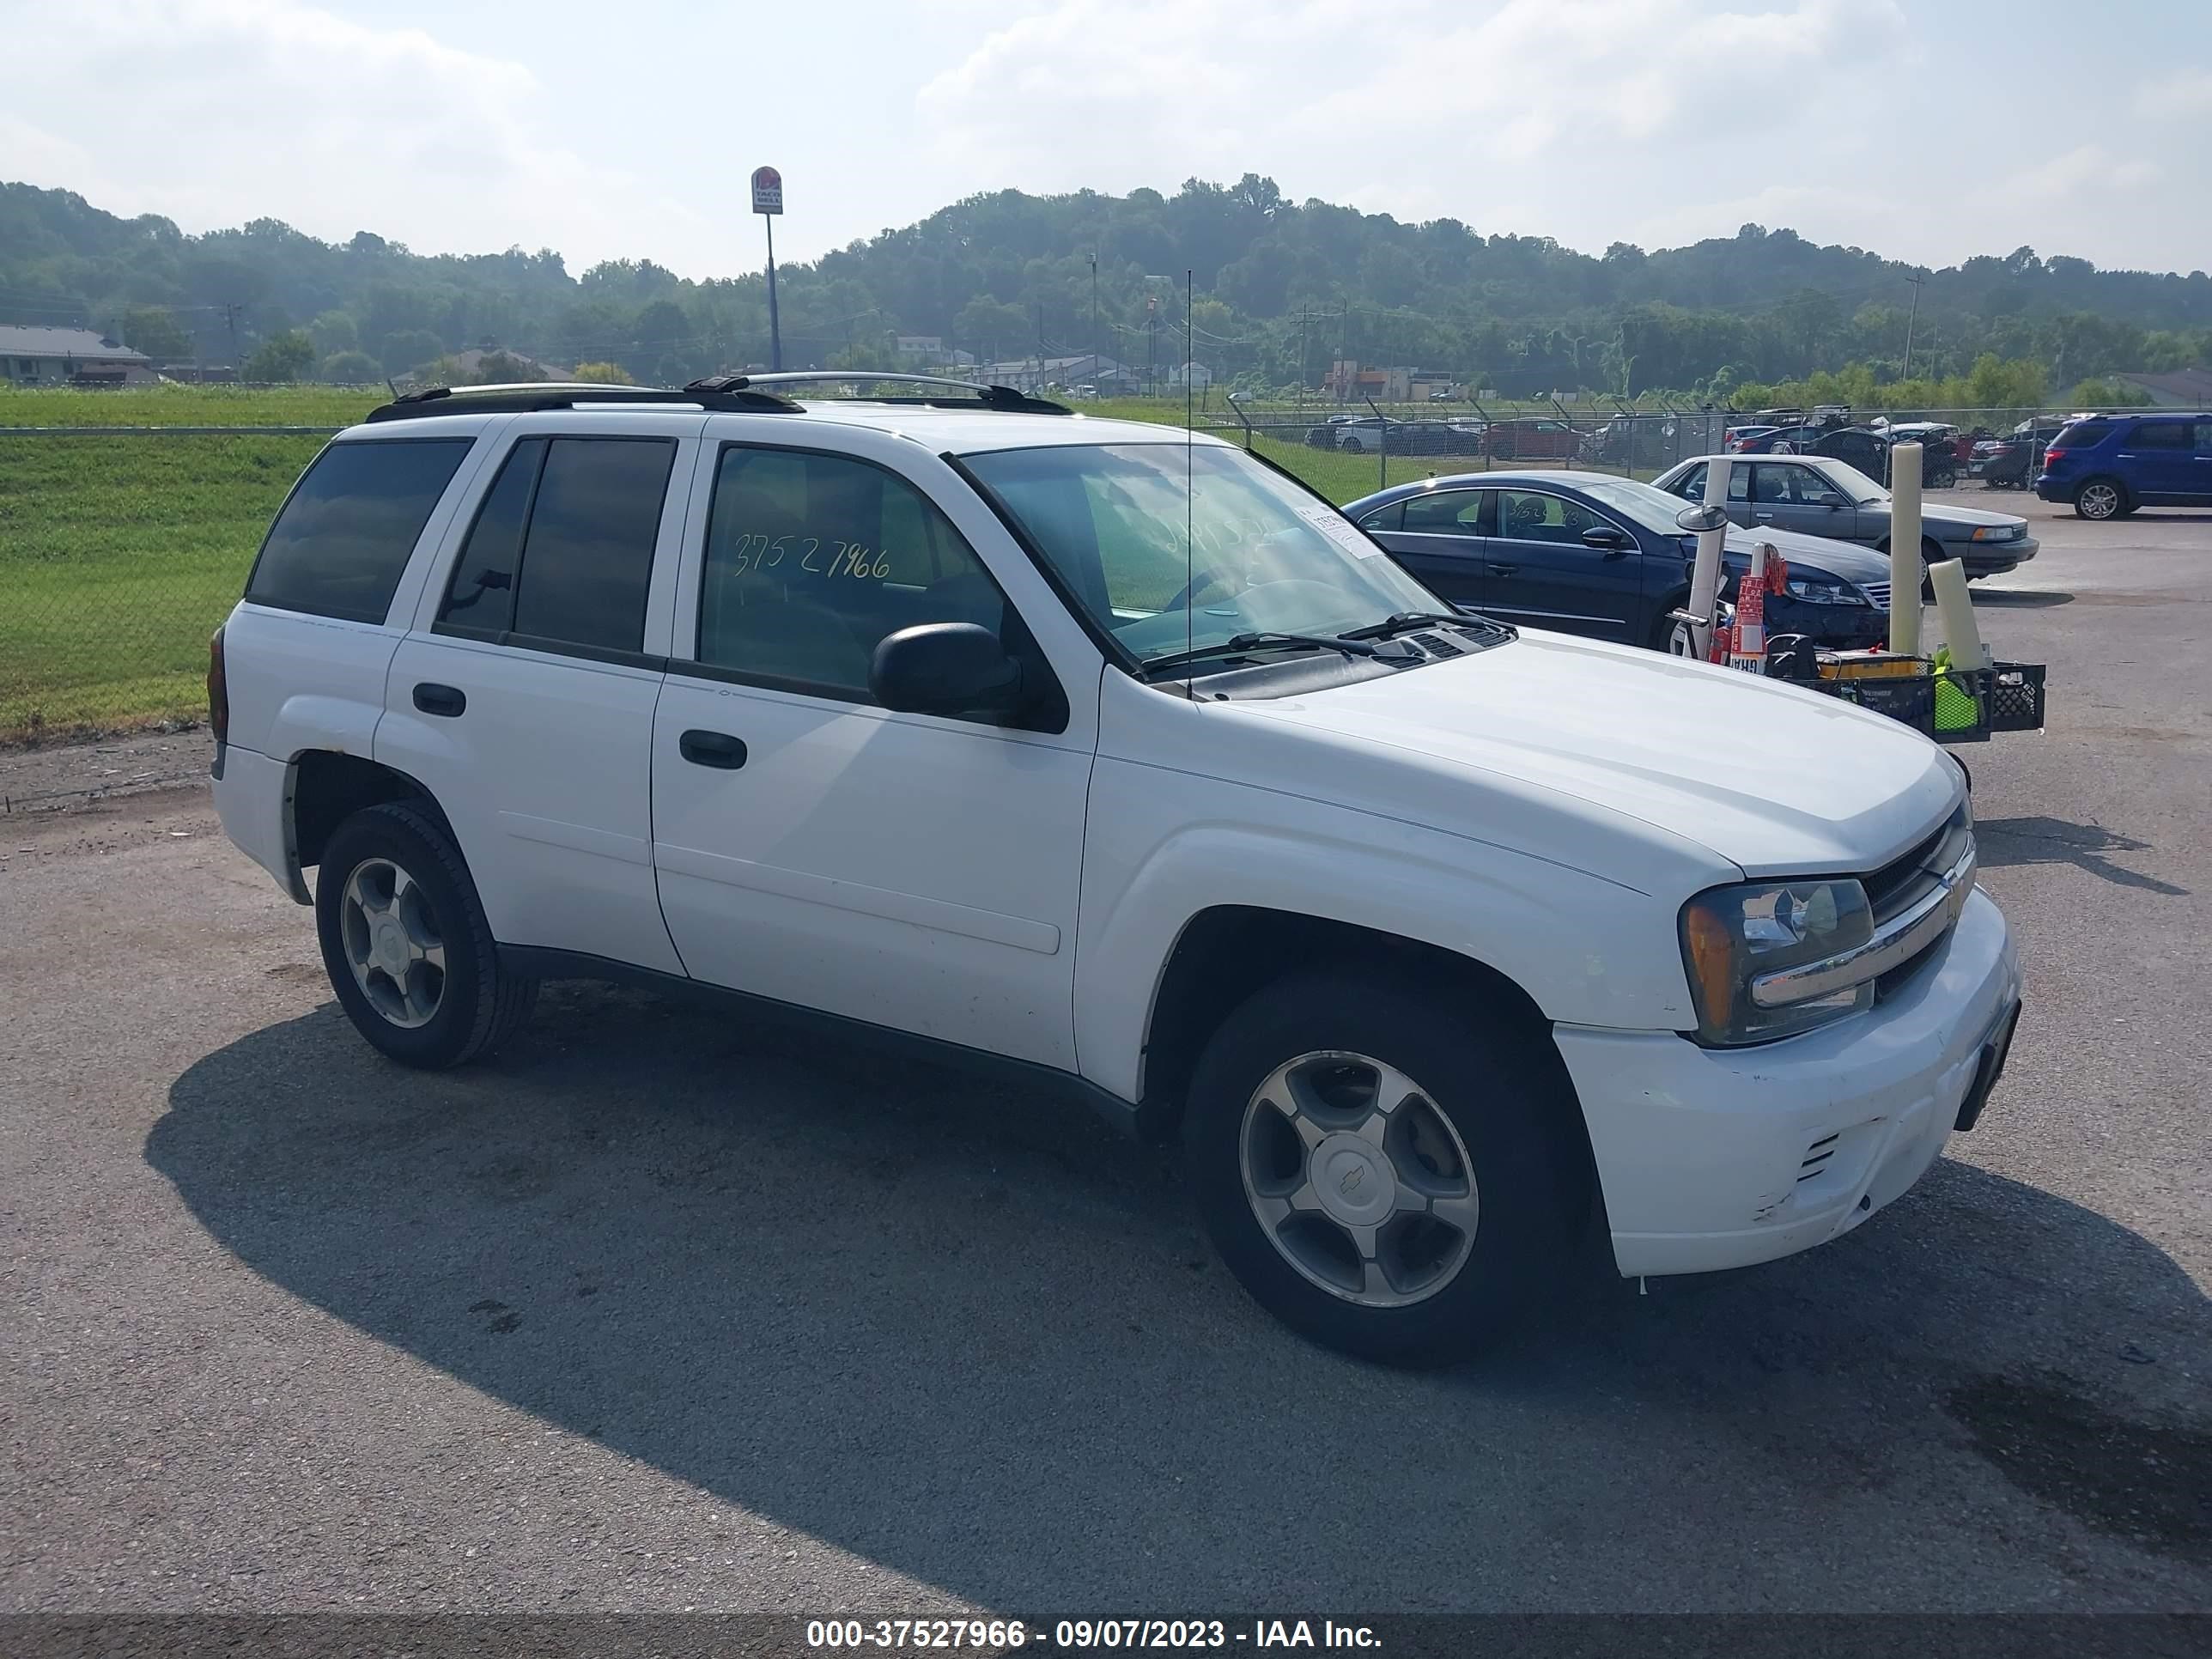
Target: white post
{"x": 1955, "y": 609}
{"x": 1748, "y": 652}
{"x": 1705, "y": 574}
{"x": 1904, "y": 571}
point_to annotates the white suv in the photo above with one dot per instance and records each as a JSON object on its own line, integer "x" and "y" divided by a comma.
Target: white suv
{"x": 1116, "y": 756}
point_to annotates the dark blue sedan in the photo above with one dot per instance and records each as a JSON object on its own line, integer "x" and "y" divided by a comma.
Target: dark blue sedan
{"x": 1583, "y": 553}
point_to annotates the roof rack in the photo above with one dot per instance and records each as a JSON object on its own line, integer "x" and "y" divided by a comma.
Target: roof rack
{"x": 1004, "y": 399}
{"x": 531, "y": 395}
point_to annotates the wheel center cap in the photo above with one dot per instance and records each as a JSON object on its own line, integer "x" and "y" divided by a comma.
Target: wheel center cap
{"x": 391, "y": 948}
{"x": 1353, "y": 1181}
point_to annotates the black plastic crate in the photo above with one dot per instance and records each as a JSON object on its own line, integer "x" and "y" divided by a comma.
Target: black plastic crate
{"x": 1910, "y": 698}
{"x": 2013, "y": 694}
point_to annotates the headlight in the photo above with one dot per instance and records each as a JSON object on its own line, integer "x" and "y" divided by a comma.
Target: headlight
{"x": 1820, "y": 592}
{"x": 1733, "y": 935}
{"x": 1996, "y": 533}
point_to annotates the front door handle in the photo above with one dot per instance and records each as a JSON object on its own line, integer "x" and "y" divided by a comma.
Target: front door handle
{"x": 715, "y": 749}
{"x": 1504, "y": 569}
{"x": 445, "y": 700}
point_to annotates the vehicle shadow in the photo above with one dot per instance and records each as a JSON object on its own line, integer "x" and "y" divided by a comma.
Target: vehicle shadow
{"x": 2001, "y": 843}
{"x": 2018, "y": 598}
{"x": 967, "y": 1335}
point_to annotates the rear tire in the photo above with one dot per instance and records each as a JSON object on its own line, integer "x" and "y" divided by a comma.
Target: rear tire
{"x": 2099, "y": 499}
{"x": 406, "y": 943}
{"x": 1328, "y": 1100}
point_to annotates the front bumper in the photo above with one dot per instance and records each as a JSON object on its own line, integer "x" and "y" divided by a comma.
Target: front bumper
{"x": 1992, "y": 558}
{"x": 1711, "y": 1158}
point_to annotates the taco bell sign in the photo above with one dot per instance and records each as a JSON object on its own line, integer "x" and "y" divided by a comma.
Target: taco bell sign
{"x": 768, "y": 191}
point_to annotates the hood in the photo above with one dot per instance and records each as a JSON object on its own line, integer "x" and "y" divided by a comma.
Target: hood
{"x": 1975, "y": 517}
{"x": 1851, "y": 562}
{"x": 1773, "y": 778}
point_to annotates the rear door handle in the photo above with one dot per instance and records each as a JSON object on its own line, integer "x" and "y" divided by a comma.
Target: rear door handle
{"x": 1763, "y": 517}
{"x": 1504, "y": 569}
{"x": 715, "y": 749}
{"x": 434, "y": 699}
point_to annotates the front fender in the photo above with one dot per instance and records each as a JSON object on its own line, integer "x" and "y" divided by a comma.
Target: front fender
{"x": 1587, "y": 951}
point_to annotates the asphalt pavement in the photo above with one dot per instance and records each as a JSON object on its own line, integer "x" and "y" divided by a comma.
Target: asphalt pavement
{"x": 656, "y": 1311}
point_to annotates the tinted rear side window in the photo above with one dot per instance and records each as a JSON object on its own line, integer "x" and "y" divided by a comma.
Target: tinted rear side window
{"x": 2161, "y": 435}
{"x": 588, "y": 555}
{"x": 338, "y": 547}
{"x": 2081, "y": 434}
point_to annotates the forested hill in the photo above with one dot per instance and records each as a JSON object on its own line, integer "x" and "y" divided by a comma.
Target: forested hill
{"x": 1282, "y": 288}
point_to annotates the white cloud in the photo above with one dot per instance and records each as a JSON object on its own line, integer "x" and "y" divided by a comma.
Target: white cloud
{"x": 1417, "y": 116}
{"x": 2178, "y": 97}
{"x": 215, "y": 111}
{"x": 626, "y": 131}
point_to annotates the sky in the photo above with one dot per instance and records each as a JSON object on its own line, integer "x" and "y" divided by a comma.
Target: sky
{"x": 1928, "y": 131}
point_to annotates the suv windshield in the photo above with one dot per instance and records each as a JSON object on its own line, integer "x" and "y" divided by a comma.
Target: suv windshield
{"x": 1862, "y": 490}
{"x": 1169, "y": 547}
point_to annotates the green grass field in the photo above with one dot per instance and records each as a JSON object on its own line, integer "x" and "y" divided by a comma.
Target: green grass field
{"x": 119, "y": 556}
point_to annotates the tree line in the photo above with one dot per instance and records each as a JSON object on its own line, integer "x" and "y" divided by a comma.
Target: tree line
{"x": 1279, "y": 291}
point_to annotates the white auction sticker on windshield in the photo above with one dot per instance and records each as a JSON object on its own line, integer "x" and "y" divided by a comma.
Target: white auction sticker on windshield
{"x": 1338, "y": 529}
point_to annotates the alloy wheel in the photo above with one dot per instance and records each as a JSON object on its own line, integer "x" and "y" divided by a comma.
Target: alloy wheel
{"x": 393, "y": 943}
{"x": 2098, "y": 500}
{"x": 1359, "y": 1179}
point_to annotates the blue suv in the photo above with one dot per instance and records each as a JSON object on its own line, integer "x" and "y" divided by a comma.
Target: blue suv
{"x": 2108, "y": 465}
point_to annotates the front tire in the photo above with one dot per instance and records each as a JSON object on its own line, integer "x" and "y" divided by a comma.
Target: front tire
{"x": 2101, "y": 499}
{"x": 1382, "y": 1168}
{"x": 406, "y": 943}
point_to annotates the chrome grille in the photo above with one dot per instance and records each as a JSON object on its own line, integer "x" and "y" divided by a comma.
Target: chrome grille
{"x": 1878, "y": 593}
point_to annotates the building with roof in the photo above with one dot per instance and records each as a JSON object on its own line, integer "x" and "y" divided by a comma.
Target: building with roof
{"x": 69, "y": 356}
{"x": 1103, "y": 374}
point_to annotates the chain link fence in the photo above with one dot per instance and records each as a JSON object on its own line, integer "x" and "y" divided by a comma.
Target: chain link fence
{"x": 122, "y": 547}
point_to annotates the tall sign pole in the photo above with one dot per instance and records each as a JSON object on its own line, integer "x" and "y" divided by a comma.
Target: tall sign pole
{"x": 767, "y": 201}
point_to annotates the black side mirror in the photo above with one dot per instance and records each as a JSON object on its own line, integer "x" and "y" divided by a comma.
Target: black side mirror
{"x": 945, "y": 668}
{"x": 1607, "y": 538}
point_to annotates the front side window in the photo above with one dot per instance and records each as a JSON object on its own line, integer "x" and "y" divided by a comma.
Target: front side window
{"x": 1526, "y": 515}
{"x": 561, "y": 554}
{"x": 1168, "y": 547}
{"x": 813, "y": 558}
{"x": 343, "y": 538}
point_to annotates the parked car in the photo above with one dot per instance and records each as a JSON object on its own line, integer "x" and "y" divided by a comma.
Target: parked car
{"x": 2012, "y": 463}
{"x": 1735, "y": 437}
{"x": 2107, "y": 465}
{"x": 1108, "y": 759}
{"x": 1328, "y": 434}
{"x": 1367, "y": 436}
{"x": 1867, "y": 448}
{"x": 1776, "y": 439}
{"x": 1822, "y": 496}
{"x": 1530, "y": 440}
{"x": 1604, "y": 557}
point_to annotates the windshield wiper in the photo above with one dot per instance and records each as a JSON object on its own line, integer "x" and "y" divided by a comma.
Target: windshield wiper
{"x": 1398, "y": 623}
{"x": 1239, "y": 644}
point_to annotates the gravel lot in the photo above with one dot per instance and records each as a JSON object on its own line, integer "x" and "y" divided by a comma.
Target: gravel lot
{"x": 658, "y": 1312}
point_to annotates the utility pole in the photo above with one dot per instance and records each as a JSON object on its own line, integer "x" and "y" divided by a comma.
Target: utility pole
{"x": 230, "y": 316}
{"x": 1913, "y": 317}
{"x": 1094, "y": 316}
{"x": 1040, "y": 358}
